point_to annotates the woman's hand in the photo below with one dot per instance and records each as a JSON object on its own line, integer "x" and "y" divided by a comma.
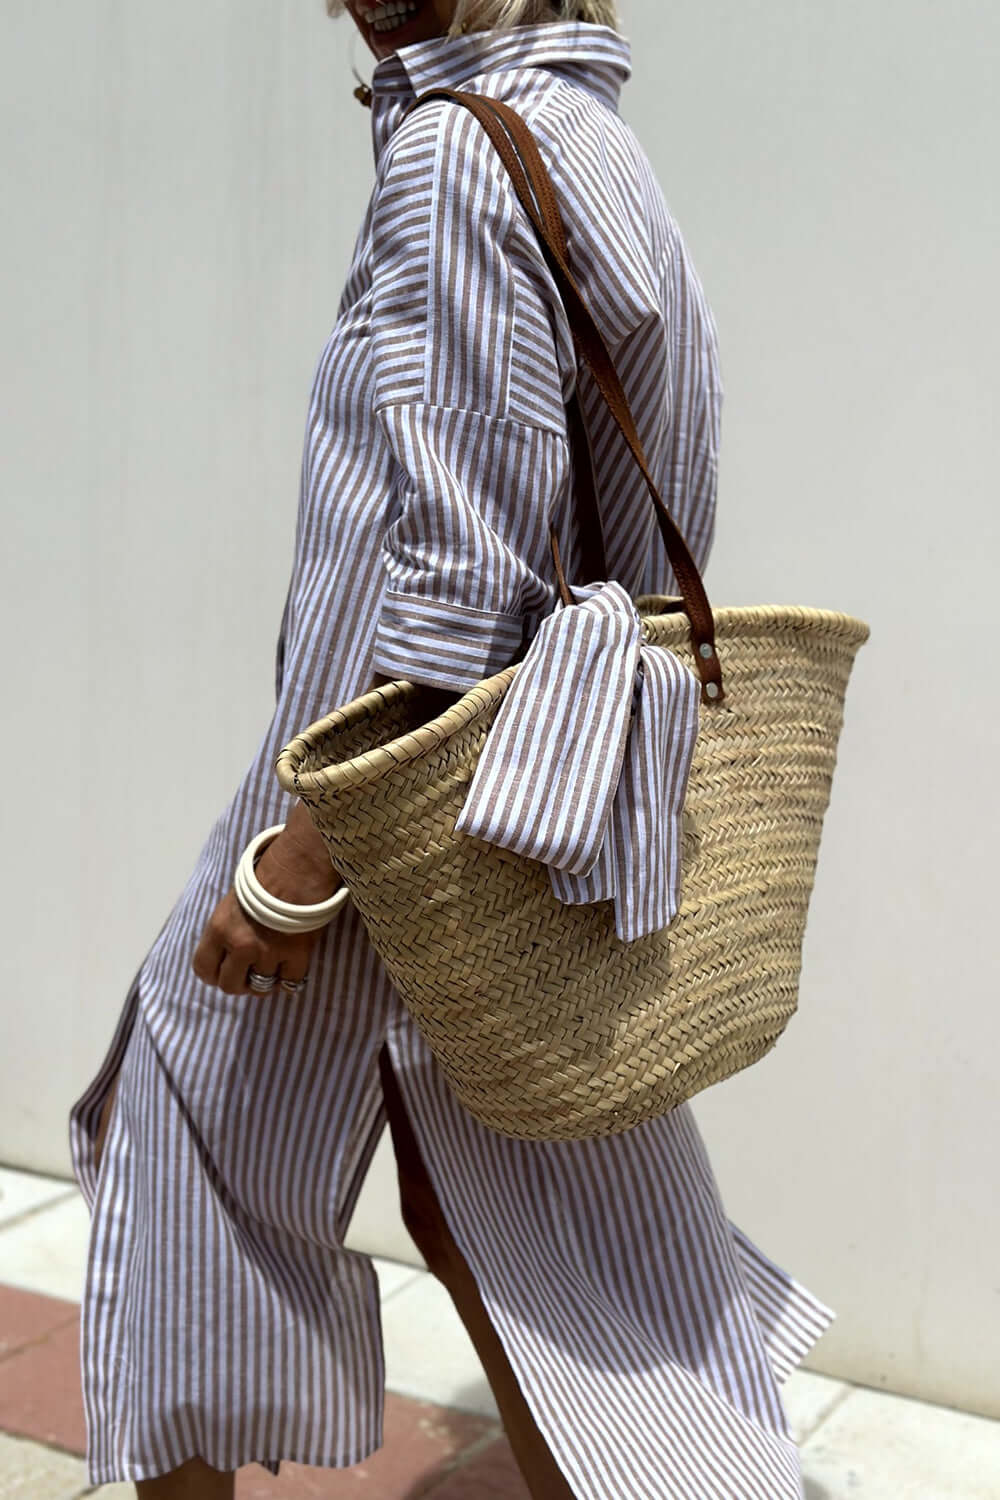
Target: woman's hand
{"x": 296, "y": 867}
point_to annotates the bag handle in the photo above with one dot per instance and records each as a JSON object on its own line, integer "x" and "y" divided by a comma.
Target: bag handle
{"x": 519, "y": 153}
{"x": 593, "y": 552}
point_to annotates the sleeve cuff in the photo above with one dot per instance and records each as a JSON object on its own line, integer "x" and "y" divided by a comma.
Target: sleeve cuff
{"x": 442, "y": 645}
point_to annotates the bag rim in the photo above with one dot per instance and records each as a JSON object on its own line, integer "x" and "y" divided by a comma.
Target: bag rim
{"x": 373, "y": 765}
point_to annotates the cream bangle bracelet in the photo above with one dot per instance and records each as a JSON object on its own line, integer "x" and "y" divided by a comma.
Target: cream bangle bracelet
{"x": 269, "y": 910}
{"x": 264, "y": 915}
{"x": 282, "y": 916}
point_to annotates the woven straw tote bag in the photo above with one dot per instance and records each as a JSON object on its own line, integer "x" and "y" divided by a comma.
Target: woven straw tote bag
{"x": 546, "y": 1025}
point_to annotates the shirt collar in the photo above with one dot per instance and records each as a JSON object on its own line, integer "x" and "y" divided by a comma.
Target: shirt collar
{"x": 596, "y": 57}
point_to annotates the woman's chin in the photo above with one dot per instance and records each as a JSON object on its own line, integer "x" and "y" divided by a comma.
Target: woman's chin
{"x": 422, "y": 25}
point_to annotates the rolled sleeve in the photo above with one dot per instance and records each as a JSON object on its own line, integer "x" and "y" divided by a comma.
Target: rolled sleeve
{"x": 468, "y": 399}
{"x": 442, "y": 645}
{"x": 464, "y": 557}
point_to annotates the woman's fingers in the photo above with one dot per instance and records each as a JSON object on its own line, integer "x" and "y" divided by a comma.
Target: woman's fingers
{"x": 232, "y": 944}
{"x": 295, "y": 960}
{"x": 233, "y": 975}
{"x": 210, "y": 952}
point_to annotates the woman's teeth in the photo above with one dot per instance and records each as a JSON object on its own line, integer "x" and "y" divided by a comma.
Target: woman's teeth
{"x": 388, "y": 17}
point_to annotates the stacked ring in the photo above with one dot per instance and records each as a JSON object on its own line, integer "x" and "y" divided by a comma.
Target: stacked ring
{"x": 261, "y": 984}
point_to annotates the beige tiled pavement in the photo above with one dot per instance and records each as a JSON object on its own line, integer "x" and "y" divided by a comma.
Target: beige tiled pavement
{"x": 46, "y": 1251}
{"x": 29, "y": 1471}
{"x": 24, "y": 1193}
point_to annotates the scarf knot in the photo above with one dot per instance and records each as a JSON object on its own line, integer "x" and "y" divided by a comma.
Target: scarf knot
{"x": 586, "y": 764}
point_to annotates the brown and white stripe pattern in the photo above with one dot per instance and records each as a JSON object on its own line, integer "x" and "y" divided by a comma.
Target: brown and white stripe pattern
{"x": 587, "y": 761}
{"x": 222, "y": 1315}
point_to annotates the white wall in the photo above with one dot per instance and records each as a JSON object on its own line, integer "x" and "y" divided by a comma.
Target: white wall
{"x": 835, "y": 170}
{"x": 179, "y": 215}
{"x": 178, "y": 221}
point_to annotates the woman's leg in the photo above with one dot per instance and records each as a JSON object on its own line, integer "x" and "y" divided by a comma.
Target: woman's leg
{"x": 424, "y": 1219}
{"x": 193, "y": 1481}
{"x": 103, "y": 1123}
{"x": 647, "y": 1335}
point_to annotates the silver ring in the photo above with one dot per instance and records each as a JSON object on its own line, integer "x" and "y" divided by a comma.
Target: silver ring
{"x": 261, "y": 984}
{"x": 292, "y": 986}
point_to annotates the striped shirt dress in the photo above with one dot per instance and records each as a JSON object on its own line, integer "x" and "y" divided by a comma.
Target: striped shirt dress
{"x": 222, "y": 1315}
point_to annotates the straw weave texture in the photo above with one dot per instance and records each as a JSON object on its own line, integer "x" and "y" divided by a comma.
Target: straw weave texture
{"x": 548, "y": 1026}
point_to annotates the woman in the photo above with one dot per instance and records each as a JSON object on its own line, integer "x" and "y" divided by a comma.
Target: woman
{"x": 634, "y": 1338}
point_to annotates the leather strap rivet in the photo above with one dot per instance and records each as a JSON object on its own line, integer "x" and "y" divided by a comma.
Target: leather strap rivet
{"x": 712, "y": 689}
{"x": 705, "y": 650}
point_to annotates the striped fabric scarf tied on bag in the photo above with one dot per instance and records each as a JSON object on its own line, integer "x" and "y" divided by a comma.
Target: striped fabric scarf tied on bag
{"x": 586, "y": 764}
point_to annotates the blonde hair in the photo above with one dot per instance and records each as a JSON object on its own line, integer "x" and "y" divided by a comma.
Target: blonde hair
{"x": 485, "y": 15}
